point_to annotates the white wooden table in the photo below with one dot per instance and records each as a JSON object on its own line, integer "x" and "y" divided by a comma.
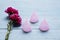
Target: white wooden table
{"x": 51, "y": 9}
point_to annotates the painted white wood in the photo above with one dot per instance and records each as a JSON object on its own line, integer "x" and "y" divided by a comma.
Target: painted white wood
{"x": 49, "y": 9}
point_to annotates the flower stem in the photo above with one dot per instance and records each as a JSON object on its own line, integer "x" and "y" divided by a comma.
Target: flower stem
{"x": 9, "y": 28}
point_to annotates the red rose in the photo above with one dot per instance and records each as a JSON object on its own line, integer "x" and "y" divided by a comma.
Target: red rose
{"x": 16, "y": 18}
{"x": 11, "y": 10}
{"x": 19, "y": 20}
